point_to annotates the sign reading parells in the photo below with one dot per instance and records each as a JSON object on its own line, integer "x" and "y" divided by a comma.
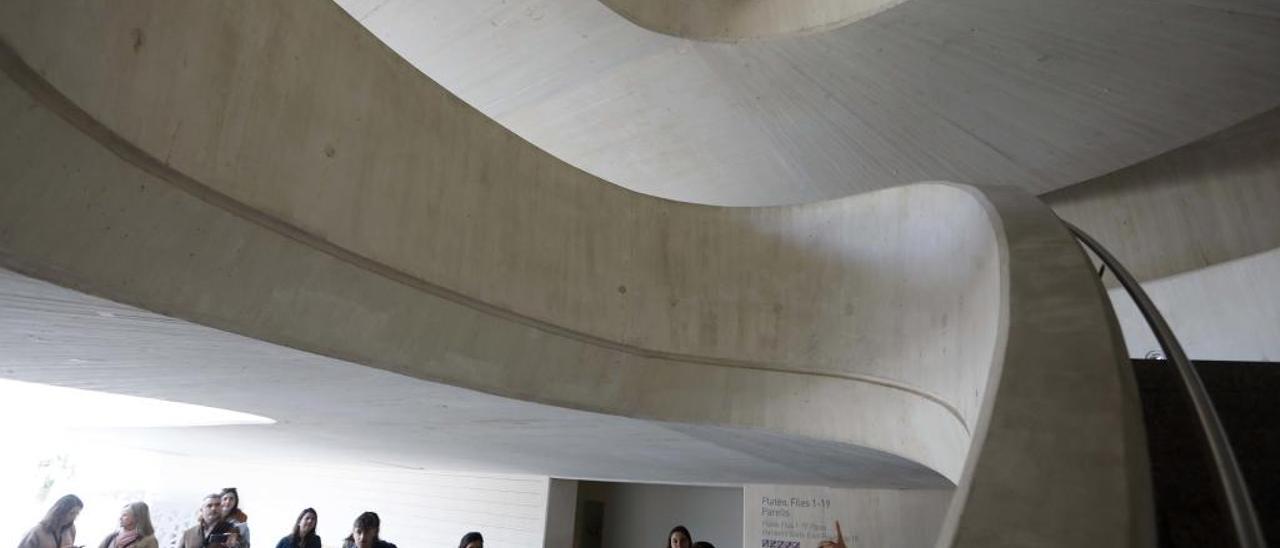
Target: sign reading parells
{"x": 798, "y": 516}
{"x": 784, "y": 516}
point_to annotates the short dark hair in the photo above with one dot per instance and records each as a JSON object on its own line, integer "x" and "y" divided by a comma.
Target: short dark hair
{"x": 703, "y": 544}
{"x": 367, "y": 521}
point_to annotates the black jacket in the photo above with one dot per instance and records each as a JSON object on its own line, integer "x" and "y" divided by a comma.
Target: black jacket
{"x": 376, "y": 544}
{"x": 312, "y": 541}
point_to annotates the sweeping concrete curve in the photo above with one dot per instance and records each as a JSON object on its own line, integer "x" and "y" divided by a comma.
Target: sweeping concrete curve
{"x": 272, "y": 170}
{"x": 733, "y": 20}
{"x": 327, "y": 410}
{"x": 1035, "y": 94}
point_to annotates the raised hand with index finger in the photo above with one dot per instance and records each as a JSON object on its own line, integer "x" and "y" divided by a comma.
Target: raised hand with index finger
{"x": 838, "y": 542}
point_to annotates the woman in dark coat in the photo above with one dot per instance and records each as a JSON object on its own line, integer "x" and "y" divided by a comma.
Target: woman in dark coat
{"x": 304, "y": 532}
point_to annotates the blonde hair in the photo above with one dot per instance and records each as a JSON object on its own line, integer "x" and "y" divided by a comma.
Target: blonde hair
{"x": 141, "y": 518}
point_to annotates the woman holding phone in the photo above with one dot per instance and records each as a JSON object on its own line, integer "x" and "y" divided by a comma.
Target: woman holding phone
{"x": 58, "y": 528}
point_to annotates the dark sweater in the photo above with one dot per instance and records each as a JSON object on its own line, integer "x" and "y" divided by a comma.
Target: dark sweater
{"x": 376, "y": 544}
{"x": 312, "y": 541}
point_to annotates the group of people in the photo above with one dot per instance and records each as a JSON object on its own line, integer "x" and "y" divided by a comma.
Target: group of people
{"x": 220, "y": 524}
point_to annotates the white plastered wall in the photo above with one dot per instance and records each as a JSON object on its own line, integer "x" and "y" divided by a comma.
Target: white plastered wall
{"x": 1229, "y": 311}
{"x": 638, "y": 515}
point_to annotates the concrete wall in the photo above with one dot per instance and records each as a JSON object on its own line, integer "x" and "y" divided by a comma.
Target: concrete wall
{"x": 731, "y": 20}
{"x": 562, "y": 505}
{"x": 1198, "y": 226}
{"x": 461, "y": 211}
{"x": 274, "y": 171}
{"x": 638, "y": 515}
{"x": 1196, "y": 206}
{"x": 1039, "y": 97}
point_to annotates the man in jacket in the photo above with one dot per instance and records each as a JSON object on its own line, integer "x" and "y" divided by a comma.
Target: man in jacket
{"x": 213, "y": 531}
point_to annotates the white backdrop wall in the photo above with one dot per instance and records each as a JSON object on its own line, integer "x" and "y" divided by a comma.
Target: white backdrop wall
{"x": 418, "y": 508}
{"x": 562, "y": 505}
{"x": 1228, "y": 311}
{"x": 638, "y": 515}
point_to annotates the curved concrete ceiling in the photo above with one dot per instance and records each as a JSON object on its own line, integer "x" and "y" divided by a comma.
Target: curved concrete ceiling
{"x": 330, "y": 409}
{"x": 1040, "y": 94}
{"x": 733, "y": 20}
{"x": 270, "y": 169}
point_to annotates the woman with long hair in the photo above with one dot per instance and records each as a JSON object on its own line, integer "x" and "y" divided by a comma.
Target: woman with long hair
{"x": 135, "y": 529}
{"x": 679, "y": 537}
{"x": 58, "y": 527}
{"x": 231, "y": 513}
{"x": 304, "y": 532}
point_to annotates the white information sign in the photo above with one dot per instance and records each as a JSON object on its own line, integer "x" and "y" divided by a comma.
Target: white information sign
{"x": 798, "y": 516}
{"x": 779, "y": 516}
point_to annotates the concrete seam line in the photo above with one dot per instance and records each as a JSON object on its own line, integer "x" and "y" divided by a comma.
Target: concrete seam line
{"x": 48, "y": 96}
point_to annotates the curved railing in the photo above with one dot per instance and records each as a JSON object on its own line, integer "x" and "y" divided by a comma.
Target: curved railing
{"x": 1248, "y": 531}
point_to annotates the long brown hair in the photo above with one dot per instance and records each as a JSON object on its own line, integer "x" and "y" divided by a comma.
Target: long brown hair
{"x": 297, "y": 528}
{"x": 236, "y": 513}
{"x": 57, "y": 513}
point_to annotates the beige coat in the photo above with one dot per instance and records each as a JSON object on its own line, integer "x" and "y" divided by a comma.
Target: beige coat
{"x": 148, "y": 541}
{"x": 39, "y": 537}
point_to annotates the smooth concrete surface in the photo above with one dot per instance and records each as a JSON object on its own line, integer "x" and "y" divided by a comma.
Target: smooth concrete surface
{"x": 1044, "y": 397}
{"x": 638, "y": 515}
{"x": 331, "y": 411}
{"x": 275, "y": 172}
{"x": 1203, "y": 204}
{"x": 635, "y": 288}
{"x": 1037, "y": 94}
{"x": 734, "y": 20}
{"x": 562, "y": 505}
{"x": 1229, "y": 311}
{"x": 1198, "y": 226}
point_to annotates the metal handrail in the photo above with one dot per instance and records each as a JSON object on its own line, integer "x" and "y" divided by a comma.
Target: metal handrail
{"x": 1243, "y": 517}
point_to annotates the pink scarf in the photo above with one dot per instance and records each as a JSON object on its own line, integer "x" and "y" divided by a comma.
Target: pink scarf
{"x": 125, "y": 538}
